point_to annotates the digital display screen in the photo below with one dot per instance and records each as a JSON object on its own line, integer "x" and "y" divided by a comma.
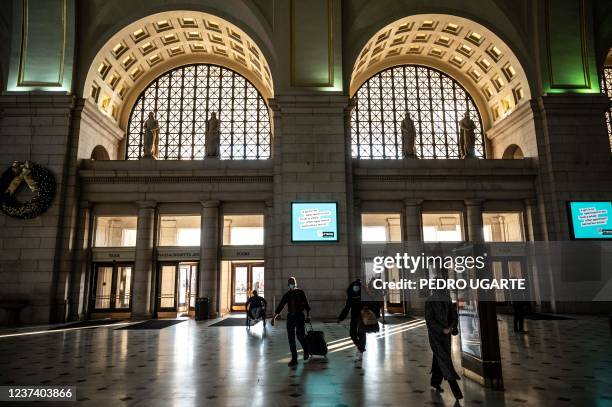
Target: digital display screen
{"x": 591, "y": 220}
{"x": 314, "y": 222}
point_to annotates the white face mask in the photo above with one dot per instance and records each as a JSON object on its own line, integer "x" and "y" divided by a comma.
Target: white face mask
{"x": 291, "y": 286}
{"x": 356, "y": 288}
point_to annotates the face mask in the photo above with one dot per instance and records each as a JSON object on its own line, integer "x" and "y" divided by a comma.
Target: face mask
{"x": 356, "y": 288}
{"x": 291, "y": 286}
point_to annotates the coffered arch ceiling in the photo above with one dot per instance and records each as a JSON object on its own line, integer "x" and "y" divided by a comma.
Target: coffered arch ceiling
{"x": 475, "y": 56}
{"x": 147, "y": 48}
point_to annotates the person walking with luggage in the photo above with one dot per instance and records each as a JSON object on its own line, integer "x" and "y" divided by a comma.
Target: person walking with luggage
{"x": 442, "y": 319}
{"x": 296, "y": 302}
{"x": 356, "y": 331}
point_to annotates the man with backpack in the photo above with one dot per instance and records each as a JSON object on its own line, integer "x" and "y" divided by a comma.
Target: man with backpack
{"x": 296, "y": 302}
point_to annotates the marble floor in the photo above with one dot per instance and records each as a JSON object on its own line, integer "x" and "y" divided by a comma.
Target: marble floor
{"x": 558, "y": 363}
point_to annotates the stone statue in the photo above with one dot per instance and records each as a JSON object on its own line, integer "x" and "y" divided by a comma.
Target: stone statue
{"x": 467, "y": 138}
{"x": 213, "y": 136}
{"x": 408, "y": 137}
{"x": 151, "y": 137}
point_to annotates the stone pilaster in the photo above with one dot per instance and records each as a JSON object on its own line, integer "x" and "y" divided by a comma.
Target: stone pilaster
{"x": 209, "y": 255}
{"x": 269, "y": 258}
{"x": 474, "y": 223}
{"x": 142, "y": 298}
{"x": 412, "y": 240}
{"x": 80, "y": 264}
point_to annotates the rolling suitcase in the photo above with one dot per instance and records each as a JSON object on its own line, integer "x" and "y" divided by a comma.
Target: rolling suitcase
{"x": 316, "y": 342}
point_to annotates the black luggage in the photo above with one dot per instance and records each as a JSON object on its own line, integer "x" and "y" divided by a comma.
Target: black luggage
{"x": 316, "y": 342}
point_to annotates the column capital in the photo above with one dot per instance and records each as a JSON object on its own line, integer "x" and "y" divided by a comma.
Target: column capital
{"x": 84, "y": 204}
{"x": 473, "y": 202}
{"x": 210, "y": 204}
{"x": 531, "y": 202}
{"x": 413, "y": 202}
{"x": 356, "y": 202}
{"x": 269, "y": 203}
{"x": 146, "y": 204}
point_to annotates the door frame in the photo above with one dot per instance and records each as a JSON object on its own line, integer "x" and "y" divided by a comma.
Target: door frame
{"x": 113, "y": 294}
{"x": 176, "y": 264}
{"x": 237, "y": 307}
{"x": 505, "y": 271}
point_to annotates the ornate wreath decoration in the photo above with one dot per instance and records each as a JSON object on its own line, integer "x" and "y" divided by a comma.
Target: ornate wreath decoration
{"x": 26, "y": 174}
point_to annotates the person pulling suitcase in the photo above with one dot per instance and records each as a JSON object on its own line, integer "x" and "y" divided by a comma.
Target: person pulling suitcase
{"x": 296, "y": 302}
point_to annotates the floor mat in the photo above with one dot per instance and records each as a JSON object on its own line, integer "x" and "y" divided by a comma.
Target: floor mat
{"x": 395, "y": 320}
{"x": 153, "y": 324}
{"x": 87, "y": 324}
{"x": 546, "y": 317}
{"x": 231, "y": 322}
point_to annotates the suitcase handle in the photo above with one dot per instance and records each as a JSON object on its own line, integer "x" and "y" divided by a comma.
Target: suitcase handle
{"x": 311, "y": 328}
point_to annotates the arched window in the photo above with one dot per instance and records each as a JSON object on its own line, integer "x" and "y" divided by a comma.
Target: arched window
{"x": 184, "y": 98}
{"x": 606, "y": 87}
{"x": 436, "y": 103}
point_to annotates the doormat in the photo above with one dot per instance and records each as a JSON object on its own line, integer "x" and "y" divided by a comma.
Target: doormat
{"x": 395, "y": 320}
{"x": 546, "y": 317}
{"x": 153, "y": 324}
{"x": 87, "y": 324}
{"x": 231, "y": 322}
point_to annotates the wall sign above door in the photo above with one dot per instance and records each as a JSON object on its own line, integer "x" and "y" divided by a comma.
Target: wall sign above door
{"x": 40, "y": 182}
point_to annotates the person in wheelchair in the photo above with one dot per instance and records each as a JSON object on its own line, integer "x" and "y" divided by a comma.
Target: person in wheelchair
{"x": 256, "y": 308}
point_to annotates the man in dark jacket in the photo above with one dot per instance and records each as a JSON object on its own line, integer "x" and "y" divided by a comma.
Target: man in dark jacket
{"x": 356, "y": 331}
{"x": 442, "y": 319}
{"x": 296, "y": 302}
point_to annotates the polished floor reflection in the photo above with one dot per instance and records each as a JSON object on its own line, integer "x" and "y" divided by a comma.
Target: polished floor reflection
{"x": 558, "y": 363}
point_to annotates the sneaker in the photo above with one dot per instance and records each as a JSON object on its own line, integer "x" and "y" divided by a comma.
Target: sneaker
{"x": 292, "y": 362}
{"x": 306, "y": 356}
{"x": 359, "y": 357}
{"x": 356, "y": 354}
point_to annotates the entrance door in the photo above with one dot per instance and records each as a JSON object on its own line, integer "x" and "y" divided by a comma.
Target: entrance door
{"x": 112, "y": 287}
{"x": 187, "y": 283}
{"x": 246, "y": 277}
{"x": 504, "y": 268}
{"x": 177, "y": 287}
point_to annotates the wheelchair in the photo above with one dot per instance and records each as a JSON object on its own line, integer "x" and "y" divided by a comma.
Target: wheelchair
{"x": 254, "y": 315}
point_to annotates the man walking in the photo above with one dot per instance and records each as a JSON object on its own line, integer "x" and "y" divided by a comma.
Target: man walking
{"x": 297, "y": 303}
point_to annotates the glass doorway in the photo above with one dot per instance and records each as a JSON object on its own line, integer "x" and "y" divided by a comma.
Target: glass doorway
{"x": 112, "y": 284}
{"x": 508, "y": 268}
{"x": 177, "y": 287}
{"x": 246, "y": 277}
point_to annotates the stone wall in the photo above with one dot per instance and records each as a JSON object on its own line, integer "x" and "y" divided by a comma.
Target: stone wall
{"x": 35, "y": 128}
{"x": 310, "y": 166}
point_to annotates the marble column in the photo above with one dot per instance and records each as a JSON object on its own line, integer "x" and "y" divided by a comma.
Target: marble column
{"x": 412, "y": 243}
{"x": 80, "y": 264}
{"x": 474, "y": 223}
{"x": 209, "y": 255}
{"x": 269, "y": 258}
{"x": 532, "y": 221}
{"x": 539, "y": 268}
{"x": 142, "y": 298}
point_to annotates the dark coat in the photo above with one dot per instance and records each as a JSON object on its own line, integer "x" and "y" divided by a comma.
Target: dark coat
{"x": 353, "y": 304}
{"x": 440, "y": 314}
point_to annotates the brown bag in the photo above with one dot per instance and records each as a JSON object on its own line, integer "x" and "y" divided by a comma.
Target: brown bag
{"x": 368, "y": 320}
